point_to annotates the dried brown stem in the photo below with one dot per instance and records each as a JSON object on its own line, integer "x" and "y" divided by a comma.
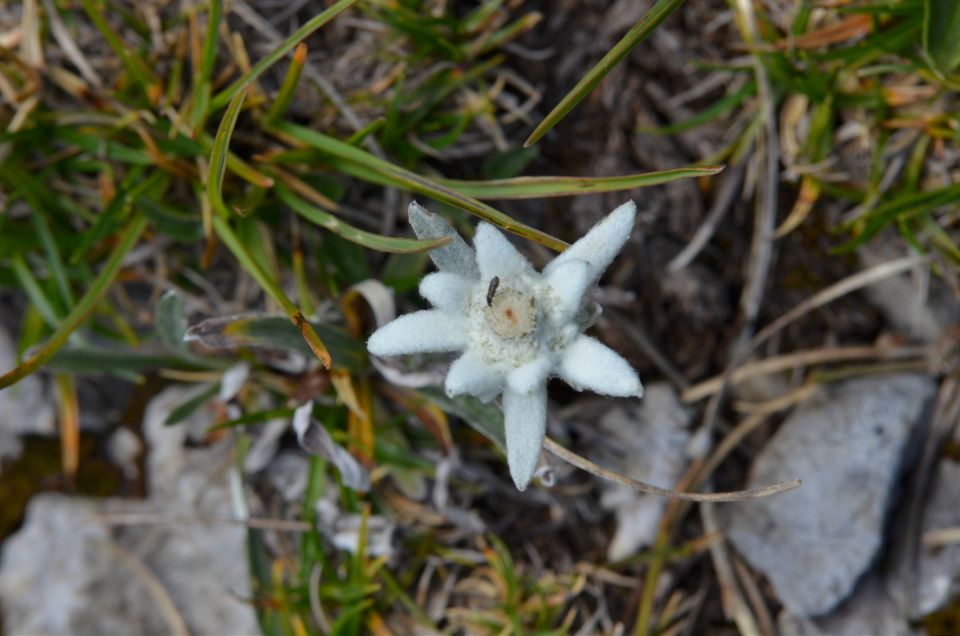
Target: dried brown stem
{"x": 835, "y": 291}
{"x": 737, "y": 495}
{"x": 799, "y": 359}
{"x": 150, "y": 519}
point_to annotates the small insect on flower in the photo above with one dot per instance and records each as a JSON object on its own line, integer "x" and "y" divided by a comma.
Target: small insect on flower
{"x": 492, "y": 289}
{"x": 516, "y": 327}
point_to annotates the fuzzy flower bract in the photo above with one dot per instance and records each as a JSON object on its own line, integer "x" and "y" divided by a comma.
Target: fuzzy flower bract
{"x": 516, "y": 327}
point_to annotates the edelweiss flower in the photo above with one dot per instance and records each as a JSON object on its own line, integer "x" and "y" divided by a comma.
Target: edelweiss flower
{"x": 516, "y": 327}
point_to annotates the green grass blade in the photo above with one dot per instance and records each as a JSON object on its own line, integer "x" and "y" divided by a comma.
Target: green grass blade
{"x": 941, "y": 33}
{"x": 503, "y": 36}
{"x": 173, "y": 222}
{"x": 236, "y": 165}
{"x": 272, "y": 288}
{"x": 83, "y": 308}
{"x": 134, "y": 64}
{"x": 54, "y": 260}
{"x": 190, "y": 406}
{"x": 640, "y": 31}
{"x": 223, "y": 97}
{"x": 480, "y": 15}
{"x": 357, "y": 138}
{"x": 227, "y": 334}
{"x": 99, "y": 142}
{"x": 257, "y": 417}
{"x": 364, "y": 165}
{"x": 116, "y": 212}
{"x": 367, "y": 239}
{"x": 715, "y": 110}
{"x": 218, "y": 156}
{"x": 902, "y": 207}
{"x": 289, "y": 86}
{"x": 940, "y": 238}
{"x": 86, "y": 359}
{"x": 201, "y": 82}
{"x": 34, "y": 292}
{"x": 538, "y": 187}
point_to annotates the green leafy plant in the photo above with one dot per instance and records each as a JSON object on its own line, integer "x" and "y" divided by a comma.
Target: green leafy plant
{"x": 129, "y": 188}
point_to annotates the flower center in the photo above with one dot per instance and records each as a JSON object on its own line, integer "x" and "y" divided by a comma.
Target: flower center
{"x": 511, "y": 313}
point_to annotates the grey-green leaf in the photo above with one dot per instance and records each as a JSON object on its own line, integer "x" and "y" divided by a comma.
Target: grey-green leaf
{"x": 275, "y": 332}
{"x": 456, "y": 256}
{"x": 941, "y": 33}
{"x": 485, "y": 418}
{"x": 170, "y": 320}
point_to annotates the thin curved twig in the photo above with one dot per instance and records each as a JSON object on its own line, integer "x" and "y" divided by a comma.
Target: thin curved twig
{"x": 726, "y": 196}
{"x": 152, "y": 519}
{"x": 733, "y": 496}
{"x": 762, "y": 251}
{"x": 735, "y": 605}
{"x": 154, "y": 586}
{"x": 803, "y": 358}
{"x": 837, "y": 290}
{"x": 941, "y": 537}
{"x": 649, "y": 350}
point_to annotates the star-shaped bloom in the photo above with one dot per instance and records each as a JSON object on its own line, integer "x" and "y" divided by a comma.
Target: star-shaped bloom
{"x": 516, "y": 327}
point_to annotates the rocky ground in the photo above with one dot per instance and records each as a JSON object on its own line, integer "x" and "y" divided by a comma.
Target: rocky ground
{"x": 857, "y": 396}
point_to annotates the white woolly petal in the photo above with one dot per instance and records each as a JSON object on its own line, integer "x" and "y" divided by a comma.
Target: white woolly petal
{"x": 456, "y": 256}
{"x": 496, "y": 256}
{"x": 446, "y": 291}
{"x": 588, "y": 364}
{"x": 419, "y": 332}
{"x": 531, "y": 376}
{"x": 470, "y": 374}
{"x": 233, "y": 380}
{"x": 569, "y": 281}
{"x": 600, "y": 245}
{"x": 525, "y": 424}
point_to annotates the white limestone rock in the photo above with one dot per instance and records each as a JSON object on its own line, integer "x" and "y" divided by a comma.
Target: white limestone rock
{"x": 847, "y": 445}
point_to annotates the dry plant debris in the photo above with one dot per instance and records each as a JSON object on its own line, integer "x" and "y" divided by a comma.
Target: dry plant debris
{"x": 211, "y": 195}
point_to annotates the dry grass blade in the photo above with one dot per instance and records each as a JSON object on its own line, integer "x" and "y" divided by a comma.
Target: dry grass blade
{"x": 738, "y": 495}
{"x": 943, "y": 423}
{"x": 734, "y": 604}
{"x": 69, "y": 47}
{"x": 941, "y": 537}
{"x": 728, "y": 193}
{"x": 30, "y": 46}
{"x": 835, "y": 291}
{"x": 154, "y": 585}
{"x": 778, "y": 403}
{"x": 727, "y": 444}
{"x": 762, "y": 244}
{"x": 753, "y": 595}
{"x": 69, "y": 425}
{"x": 854, "y": 26}
{"x": 806, "y": 198}
{"x": 650, "y": 350}
{"x": 151, "y": 519}
{"x": 316, "y": 605}
{"x": 799, "y": 359}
